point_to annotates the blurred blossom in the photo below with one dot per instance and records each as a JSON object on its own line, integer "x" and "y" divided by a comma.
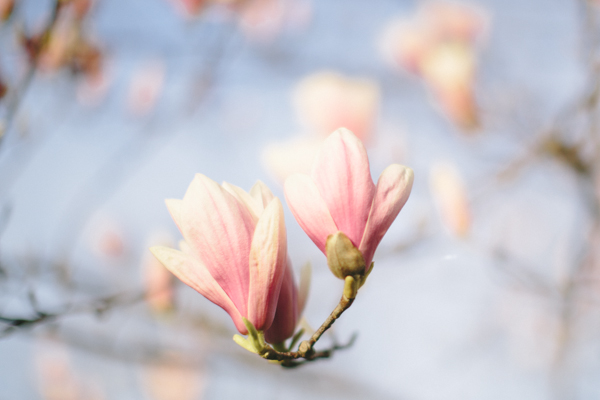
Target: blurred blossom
{"x": 293, "y": 156}
{"x": 107, "y": 240}
{"x": 450, "y": 196}
{"x": 189, "y": 8}
{"x": 170, "y": 380}
{"x": 92, "y": 88}
{"x": 146, "y": 87}
{"x": 325, "y": 101}
{"x": 234, "y": 250}
{"x": 158, "y": 281}
{"x": 456, "y": 21}
{"x": 450, "y": 71}
{"x": 56, "y": 377}
{"x": 439, "y": 43}
{"x": 263, "y": 20}
{"x": 6, "y": 9}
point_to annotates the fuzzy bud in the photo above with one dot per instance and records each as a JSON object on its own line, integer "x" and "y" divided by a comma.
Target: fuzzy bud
{"x": 343, "y": 258}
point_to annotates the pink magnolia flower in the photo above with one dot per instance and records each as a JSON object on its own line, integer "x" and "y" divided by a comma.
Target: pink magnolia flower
{"x": 289, "y": 307}
{"x": 327, "y": 100}
{"x": 340, "y": 195}
{"x": 450, "y": 195}
{"x": 234, "y": 251}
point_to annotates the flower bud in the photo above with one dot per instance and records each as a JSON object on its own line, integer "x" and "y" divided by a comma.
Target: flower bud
{"x": 343, "y": 258}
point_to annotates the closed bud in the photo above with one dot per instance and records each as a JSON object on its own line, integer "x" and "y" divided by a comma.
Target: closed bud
{"x": 343, "y": 258}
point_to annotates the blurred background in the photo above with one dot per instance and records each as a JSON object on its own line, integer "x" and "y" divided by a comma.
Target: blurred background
{"x": 487, "y": 286}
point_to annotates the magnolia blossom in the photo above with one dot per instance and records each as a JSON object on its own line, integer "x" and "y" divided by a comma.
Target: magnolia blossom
{"x": 169, "y": 380}
{"x": 450, "y": 194}
{"x": 439, "y": 44}
{"x": 158, "y": 281}
{"x": 290, "y": 306}
{"x": 340, "y": 196}
{"x": 146, "y": 87}
{"x": 263, "y": 20}
{"x": 327, "y": 100}
{"x": 450, "y": 72}
{"x": 189, "y": 8}
{"x": 234, "y": 251}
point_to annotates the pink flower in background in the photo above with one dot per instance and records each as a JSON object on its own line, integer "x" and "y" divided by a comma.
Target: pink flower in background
{"x": 234, "y": 251}
{"x": 450, "y": 195}
{"x": 189, "y": 8}
{"x": 58, "y": 378}
{"x": 340, "y": 195}
{"x": 263, "y": 20}
{"x": 439, "y": 44}
{"x": 108, "y": 240}
{"x": 170, "y": 379}
{"x": 326, "y": 100}
{"x": 450, "y": 72}
{"x": 158, "y": 281}
{"x": 146, "y": 87}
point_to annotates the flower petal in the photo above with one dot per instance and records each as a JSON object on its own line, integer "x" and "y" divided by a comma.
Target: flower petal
{"x": 341, "y": 172}
{"x": 286, "y": 317}
{"x": 393, "y": 188}
{"x": 261, "y": 193}
{"x": 219, "y": 230}
{"x": 244, "y": 198}
{"x": 174, "y": 207}
{"x": 309, "y": 208}
{"x": 268, "y": 256}
{"x": 194, "y": 274}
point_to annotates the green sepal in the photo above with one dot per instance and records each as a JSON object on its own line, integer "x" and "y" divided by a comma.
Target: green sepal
{"x": 245, "y": 343}
{"x": 257, "y": 338}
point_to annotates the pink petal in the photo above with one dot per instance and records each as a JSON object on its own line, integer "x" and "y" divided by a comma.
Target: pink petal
{"x": 219, "y": 230}
{"x": 261, "y": 193}
{"x": 267, "y": 264}
{"x": 309, "y": 208}
{"x": 287, "y": 314}
{"x": 255, "y": 207}
{"x": 341, "y": 172}
{"x": 174, "y": 207}
{"x": 393, "y": 189}
{"x": 194, "y": 274}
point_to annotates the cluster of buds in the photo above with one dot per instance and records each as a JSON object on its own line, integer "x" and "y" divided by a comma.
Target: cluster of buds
{"x": 234, "y": 250}
{"x": 439, "y": 45}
